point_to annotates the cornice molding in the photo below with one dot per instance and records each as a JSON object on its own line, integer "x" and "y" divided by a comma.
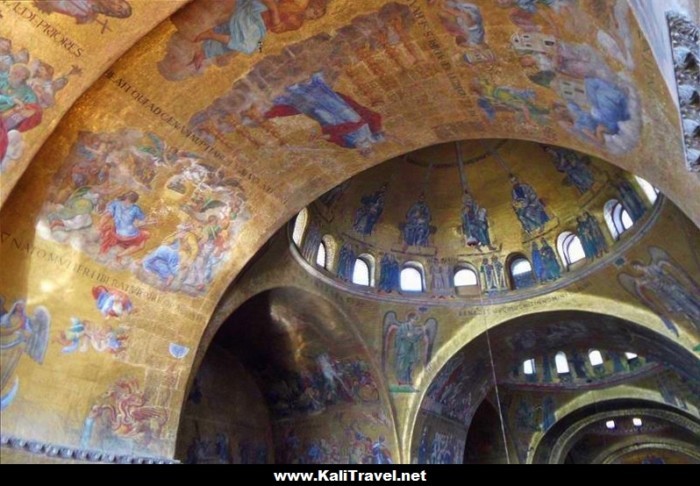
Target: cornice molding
{"x": 75, "y": 454}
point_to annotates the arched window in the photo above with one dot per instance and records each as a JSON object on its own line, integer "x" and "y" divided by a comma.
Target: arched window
{"x": 617, "y": 218}
{"x": 360, "y": 273}
{"x": 363, "y": 272}
{"x": 595, "y": 357}
{"x": 570, "y": 248}
{"x": 650, "y": 191}
{"x": 321, "y": 255}
{"x": 561, "y": 363}
{"x": 465, "y": 277}
{"x": 412, "y": 277}
{"x": 529, "y": 367}
{"x": 300, "y": 223}
{"x": 331, "y": 248}
{"x": 521, "y": 273}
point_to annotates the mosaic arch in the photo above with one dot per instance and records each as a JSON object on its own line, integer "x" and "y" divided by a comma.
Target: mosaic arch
{"x": 438, "y": 422}
{"x": 307, "y": 366}
{"x": 658, "y": 418}
{"x": 130, "y": 171}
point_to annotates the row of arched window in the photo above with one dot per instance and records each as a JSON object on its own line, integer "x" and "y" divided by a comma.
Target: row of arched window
{"x": 617, "y": 219}
{"x": 569, "y": 245}
{"x": 411, "y": 274}
{"x": 561, "y": 362}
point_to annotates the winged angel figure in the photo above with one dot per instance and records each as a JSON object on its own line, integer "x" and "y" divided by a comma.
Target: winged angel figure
{"x": 20, "y": 334}
{"x": 406, "y": 344}
{"x": 665, "y": 288}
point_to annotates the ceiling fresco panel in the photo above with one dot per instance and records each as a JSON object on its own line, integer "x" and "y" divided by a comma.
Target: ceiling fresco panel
{"x": 51, "y": 52}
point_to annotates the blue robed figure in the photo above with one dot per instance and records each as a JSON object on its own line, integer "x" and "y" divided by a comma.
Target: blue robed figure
{"x": 343, "y": 121}
{"x": 551, "y": 270}
{"x": 417, "y": 227}
{"x": 592, "y": 238}
{"x": 537, "y": 263}
{"x": 608, "y": 107}
{"x": 575, "y": 166}
{"x": 630, "y": 200}
{"x": 245, "y": 28}
{"x": 475, "y": 223}
{"x": 368, "y": 214}
{"x": 389, "y": 273}
{"x": 527, "y": 206}
{"x": 346, "y": 262}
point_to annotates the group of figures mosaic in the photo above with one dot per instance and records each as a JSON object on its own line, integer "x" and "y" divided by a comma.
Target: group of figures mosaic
{"x": 125, "y": 416}
{"x": 528, "y": 207}
{"x": 493, "y": 273}
{"x": 309, "y": 90}
{"x": 28, "y": 88}
{"x": 593, "y": 97}
{"x": 29, "y": 333}
{"x": 592, "y": 100}
{"x": 490, "y": 275}
{"x": 132, "y": 202}
{"x": 218, "y": 450}
{"x": 440, "y": 447}
{"x": 458, "y": 389}
{"x": 327, "y": 382}
{"x": 353, "y": 444}
{"x": 102, "y": 202}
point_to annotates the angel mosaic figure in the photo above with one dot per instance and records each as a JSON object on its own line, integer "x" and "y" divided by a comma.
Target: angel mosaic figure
{"x": 406, "y": 344}
{"x": 20, "y": 334}
{"x": 665, "y": 288}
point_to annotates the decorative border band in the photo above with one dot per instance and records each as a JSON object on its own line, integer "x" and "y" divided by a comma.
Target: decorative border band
{"x": 71, "y": 453}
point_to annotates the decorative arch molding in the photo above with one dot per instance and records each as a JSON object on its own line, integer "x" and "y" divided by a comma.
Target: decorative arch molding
{"x": 673, "y": 446}
{"x": 554, "y": 452}
{"x": 647, "y": 338}
{"x": 592, "y": 398}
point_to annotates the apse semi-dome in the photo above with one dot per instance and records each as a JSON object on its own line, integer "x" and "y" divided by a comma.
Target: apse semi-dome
{"x": 500, "y": 219}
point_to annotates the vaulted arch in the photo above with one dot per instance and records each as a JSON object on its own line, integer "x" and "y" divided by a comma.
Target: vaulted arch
{"x": 138, "y": 186}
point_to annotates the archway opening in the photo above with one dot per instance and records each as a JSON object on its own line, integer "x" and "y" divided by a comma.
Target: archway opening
{"x": 490, "y": 397}
{"x": 286, "y": 380}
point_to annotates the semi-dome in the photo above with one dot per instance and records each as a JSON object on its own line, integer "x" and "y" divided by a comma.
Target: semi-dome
{"x": 514, "y": 214}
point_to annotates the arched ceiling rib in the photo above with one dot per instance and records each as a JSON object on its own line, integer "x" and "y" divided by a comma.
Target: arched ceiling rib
{"x": 400, "y": 71}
